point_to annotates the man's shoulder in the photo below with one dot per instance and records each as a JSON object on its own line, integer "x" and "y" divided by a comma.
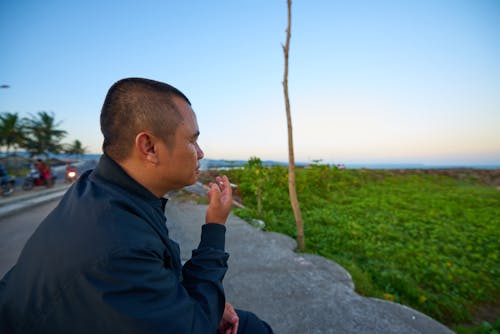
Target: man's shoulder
{"x": 102, "y": 214}
{"x": 101, "y": 197}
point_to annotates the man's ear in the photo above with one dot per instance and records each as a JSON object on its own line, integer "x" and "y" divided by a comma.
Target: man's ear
{"x": 145, "y": 145}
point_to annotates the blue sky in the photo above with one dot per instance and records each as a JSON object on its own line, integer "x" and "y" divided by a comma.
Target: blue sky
{"x": 370, "y": 81}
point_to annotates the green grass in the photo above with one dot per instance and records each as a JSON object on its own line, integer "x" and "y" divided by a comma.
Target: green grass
{"x": 423, "y": 239}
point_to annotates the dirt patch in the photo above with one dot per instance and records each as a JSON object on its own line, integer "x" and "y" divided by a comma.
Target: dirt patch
{"x": 485, "y": 177}
{"x": 489, "y": 312}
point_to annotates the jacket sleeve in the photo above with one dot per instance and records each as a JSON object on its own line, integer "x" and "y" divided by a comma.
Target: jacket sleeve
{"x": 204, "y": 272}
{"x": 145, "y": 295}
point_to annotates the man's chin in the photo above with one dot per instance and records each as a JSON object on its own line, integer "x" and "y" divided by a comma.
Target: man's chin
{"x": 194, "y": 179}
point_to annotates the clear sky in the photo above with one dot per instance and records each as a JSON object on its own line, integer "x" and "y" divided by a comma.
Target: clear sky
{"x": 370, "y": 81}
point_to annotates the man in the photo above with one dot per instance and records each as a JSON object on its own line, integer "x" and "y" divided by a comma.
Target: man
{"x": 102, "y": 260}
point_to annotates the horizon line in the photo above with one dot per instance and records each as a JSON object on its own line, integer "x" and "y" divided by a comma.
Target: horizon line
{"x": 347, "y": 163}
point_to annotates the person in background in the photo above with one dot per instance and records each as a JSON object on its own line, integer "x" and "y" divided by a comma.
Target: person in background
{"x": 45, "y": 172}
{"x": 3, "y": 170}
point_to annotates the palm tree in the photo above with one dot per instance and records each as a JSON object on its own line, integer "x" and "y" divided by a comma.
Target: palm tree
{"x": 43, "y": 136}
{"x": 11, "y": 131}
{"x": 75, "y": 148}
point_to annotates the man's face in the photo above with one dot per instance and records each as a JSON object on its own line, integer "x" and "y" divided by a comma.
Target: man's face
{"x": 179, "y": 164}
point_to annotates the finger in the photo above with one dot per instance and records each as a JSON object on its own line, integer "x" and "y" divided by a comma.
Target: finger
{"x": 220, "y": 182}
{"x": 215, "y": 189}
{"x": 213, "y": 192}
{"x": 233, "y": 314}
{"x": 229, "y": 308}
{"x": 226, "y": 185}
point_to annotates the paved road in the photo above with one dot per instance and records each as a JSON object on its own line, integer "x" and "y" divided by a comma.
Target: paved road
{"x": 58, "y": 171}
{"x": 15, "y": 231}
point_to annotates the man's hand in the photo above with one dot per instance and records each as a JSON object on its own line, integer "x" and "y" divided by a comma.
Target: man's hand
{"x": 230, "y": 321}
{"x": 220, "y": 196}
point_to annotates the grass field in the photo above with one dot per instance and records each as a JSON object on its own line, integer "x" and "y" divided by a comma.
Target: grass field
{"x": 427, "y": 239}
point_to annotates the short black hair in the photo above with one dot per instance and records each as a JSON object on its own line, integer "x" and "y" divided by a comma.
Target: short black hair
{"x": 136, "y": 104}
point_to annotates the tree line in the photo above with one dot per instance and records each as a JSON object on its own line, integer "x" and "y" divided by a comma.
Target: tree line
{"x": 38, "y": 134}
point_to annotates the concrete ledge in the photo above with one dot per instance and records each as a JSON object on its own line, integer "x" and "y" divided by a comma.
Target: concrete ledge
{"x": 15, "y": 204}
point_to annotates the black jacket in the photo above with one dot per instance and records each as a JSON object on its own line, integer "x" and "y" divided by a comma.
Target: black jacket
{"x": 102, "y": 262}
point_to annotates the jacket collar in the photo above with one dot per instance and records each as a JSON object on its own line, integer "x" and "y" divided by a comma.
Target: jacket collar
{"x": 111, "y": 171}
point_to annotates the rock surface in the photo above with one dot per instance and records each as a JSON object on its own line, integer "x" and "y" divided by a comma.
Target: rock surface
{"x": 294, "y": 293}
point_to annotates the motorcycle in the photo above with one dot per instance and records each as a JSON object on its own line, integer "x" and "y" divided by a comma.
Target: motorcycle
{"x": 35, "y": 179}
{"x": 71, "y": 175}
{"x": 7, "y": 184}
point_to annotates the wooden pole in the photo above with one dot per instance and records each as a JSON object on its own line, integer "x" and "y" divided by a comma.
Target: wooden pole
{"x": 291, "y": 159}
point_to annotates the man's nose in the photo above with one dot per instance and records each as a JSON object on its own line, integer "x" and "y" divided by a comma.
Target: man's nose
{"x": 199, "y": 152}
